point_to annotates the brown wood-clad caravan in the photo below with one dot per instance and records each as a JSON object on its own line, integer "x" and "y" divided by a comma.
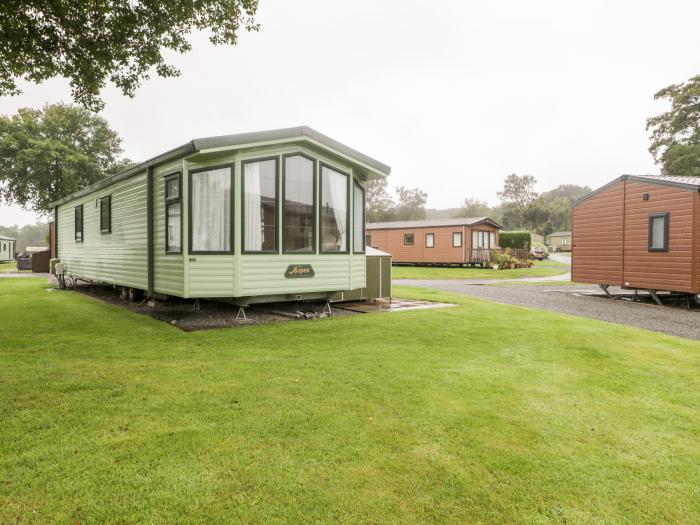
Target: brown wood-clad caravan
{"x": 639, "y": 232}
{"x": 463, "y": 241}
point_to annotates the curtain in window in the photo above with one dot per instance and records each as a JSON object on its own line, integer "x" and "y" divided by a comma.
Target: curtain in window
{"x": 492, "y": 240}
{"x": 211, "y": 210}
{"x": 335, "y": 197}
{"x": 253, "y": 219}
{"x": 299, "y": 204}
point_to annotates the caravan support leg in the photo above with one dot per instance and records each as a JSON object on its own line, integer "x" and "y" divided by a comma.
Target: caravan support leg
{"x": 656, "y": 298}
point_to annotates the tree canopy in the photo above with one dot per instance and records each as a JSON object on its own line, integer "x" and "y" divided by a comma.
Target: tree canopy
{"x": 49, "y": 153}
{"x": 518, "y": 189}
{"x": 91, "y": 42}
{"x": 675, "y": 134}
{"x": 381, "y": 207}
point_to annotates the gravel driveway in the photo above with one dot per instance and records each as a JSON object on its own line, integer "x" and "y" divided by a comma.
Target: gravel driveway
{"x": 570, "y": 299}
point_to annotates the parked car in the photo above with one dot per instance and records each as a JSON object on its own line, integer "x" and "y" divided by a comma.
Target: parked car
{"x": 539, "y": 254}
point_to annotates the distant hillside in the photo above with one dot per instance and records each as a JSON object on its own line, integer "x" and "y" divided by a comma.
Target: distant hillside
{"x": 448, "y": 213}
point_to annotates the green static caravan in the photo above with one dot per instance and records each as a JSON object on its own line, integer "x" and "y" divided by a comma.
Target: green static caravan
{"x": 263, "y": 216}
{"x": 8, "y": 249}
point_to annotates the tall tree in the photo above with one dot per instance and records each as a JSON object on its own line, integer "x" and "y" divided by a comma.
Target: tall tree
{"x": 91, "y": 42}
{"x": 411, "y": 203}
{"x": 49, "y": 153}
{"x": 379, "y": 202}
{"x": 473, "y": 207}
{"x": 518, "y": 189}
{"x": 675, "y": 134}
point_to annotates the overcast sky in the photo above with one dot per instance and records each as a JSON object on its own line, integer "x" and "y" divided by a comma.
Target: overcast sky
{"x": 453, "y": 95}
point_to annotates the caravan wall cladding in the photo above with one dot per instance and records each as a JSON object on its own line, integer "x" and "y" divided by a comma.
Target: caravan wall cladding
{"x": 224, "y": 225}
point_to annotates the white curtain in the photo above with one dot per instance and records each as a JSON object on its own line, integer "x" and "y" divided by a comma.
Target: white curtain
{"x": 338, "y": 198}
{"x": 211, "y": 210}
{"x": 253, "y": 220}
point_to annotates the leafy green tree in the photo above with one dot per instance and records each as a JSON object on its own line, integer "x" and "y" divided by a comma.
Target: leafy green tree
{"x": 378, "y": 201}
{"x": 473, "y": 207}
{"x": 675, "y": 134}
{"x": 92, "y": 41}
{"x": 571, "y": 192}
{"x": 411, "y": 204}
{"x": 49, "y": 153}
{"x": 518, "y": 189}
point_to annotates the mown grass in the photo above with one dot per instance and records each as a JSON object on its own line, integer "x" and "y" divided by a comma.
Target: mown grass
{"x": 8, "y": 266}
{"x": 539, "y": 269}
{"x": 476, "y": 413}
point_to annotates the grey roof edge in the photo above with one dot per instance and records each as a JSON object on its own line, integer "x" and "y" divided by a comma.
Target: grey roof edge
{"x": 457, "y": 221}
{"x": 563, "y": 233}
{"x": 227, "y": 141}
{"x": 172, "y": 154}
{"x": 300, "y": 132}
{"x": 648, "y": 179}
{"x": 3, "y": 238}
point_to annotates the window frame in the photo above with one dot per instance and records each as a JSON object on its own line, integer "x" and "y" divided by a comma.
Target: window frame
{"x": 662, "y": 215}
{"x": 461, "y": 240}
{"x": 364, "y": 206}
{"x": 277, "y": 249}
{"x": 82, "y": 224}
{"x": 413, "y": 239}
{"x": 348, "y": 236}
{"x": 368, "y": 240}
{"x": 232, "y": 167}
{"x": 283, "y": 201}
{"x": 169, "y": 201}
{"x": 108, "y": 229}
{"x": 432, "y": 235}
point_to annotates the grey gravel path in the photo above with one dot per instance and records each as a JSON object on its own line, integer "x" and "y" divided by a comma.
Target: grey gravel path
{"x": 569, "y": 299}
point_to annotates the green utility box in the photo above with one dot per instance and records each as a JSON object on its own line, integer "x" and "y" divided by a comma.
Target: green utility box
{"x": 378, "y": 278}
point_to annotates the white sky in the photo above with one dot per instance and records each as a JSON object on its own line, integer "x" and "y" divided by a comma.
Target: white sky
{"x": 453, "y": 95}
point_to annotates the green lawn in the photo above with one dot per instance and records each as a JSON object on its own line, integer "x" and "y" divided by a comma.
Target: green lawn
{"x": 539, "y": 269}
{"x": 8, "y": 267}
{"x": 456, "y": 415}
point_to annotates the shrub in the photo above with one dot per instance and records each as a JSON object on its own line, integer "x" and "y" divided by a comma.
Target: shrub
{"x": 515, "y": 240}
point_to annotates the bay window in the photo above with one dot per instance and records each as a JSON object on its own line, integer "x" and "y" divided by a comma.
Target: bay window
{"x": 299, "y": 211}
{"x": 358, "y": 202}
{"x": 334, "y": 210}
{"x": 210, "y": 210}
{"x": 260, "y": 205}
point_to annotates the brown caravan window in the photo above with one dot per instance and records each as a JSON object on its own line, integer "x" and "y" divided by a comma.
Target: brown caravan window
{"x": 456, "y": 239}
{"x": 658, "y": 232}
{"x": 408, "y": 239}
{"x": 430, "y": 240}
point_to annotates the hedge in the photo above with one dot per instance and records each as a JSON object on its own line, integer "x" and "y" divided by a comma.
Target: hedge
{"x": 515, "y": 240}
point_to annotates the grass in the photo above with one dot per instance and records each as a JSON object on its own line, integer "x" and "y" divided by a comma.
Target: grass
{"x": 459, "y": 415}
{"x": 539, "y": 269}
{"x": 8, "y": 267}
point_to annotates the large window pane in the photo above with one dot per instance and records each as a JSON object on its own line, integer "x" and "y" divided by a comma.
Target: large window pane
{"x": 358, "y": 218}
{"x": 106, "y": 214}
{"x": 334, "y": 211}
{"x": 211, "y": 210}
{"x": 298, "y": 204}
{"x": 260, "y": 206}
{"x": 657, "y": 232}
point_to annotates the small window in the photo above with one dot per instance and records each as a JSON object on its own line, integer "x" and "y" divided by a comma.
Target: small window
{"x": 456, "y": 239}
{"x": 408, "y": 239}
{"x": 79, "y": 223}
{"x": 106, "y": 214}
{"x": 564, "y": 241}
{"x": 358, "y": 200}
{"x": 368, "y": 240}
{"x": 658, "y": 232}
{"x": 173, "y": 214}
{"x": 260, "y": 205}
{"x": 430, "y": 240}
